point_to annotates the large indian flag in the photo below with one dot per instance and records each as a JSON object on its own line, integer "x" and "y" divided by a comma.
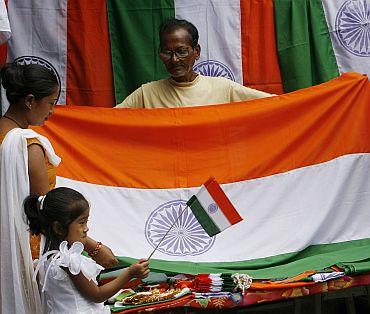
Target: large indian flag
{"x": 295, "y": 166}
{"x": 104, "y": 49}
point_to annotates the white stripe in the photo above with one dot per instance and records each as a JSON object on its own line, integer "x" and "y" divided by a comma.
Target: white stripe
{"x": 324, "y": 203}
{"x": 218, "y": 24}
{"x": 338, "y": 20}
{"x": 218, "y": 217}
{"x": 5, "y": 31}
{"x": 39, "y": 29}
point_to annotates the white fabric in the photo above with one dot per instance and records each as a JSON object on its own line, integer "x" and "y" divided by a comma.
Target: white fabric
{"x": 218, "y": 217}
{"x": 5, "y": 31}
{"x": 296, "y": 207}
{"x": 321, "y": 277}
{"x": 219, "y": 38}
{"x": 61, "y": 295}
{"x": 19, "y": 293}
{"x": 349, "y": 27}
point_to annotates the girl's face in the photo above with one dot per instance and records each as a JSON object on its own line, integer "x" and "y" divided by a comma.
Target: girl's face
{"x": 78, "y": 229}
{"x": 40, "y": 110}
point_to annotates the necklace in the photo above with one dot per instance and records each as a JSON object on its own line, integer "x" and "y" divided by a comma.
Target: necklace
{"x": 15, "y": 121}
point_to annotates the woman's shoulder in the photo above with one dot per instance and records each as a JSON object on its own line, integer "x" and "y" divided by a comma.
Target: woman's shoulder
{"x": 30, "y": 141}
{"x": 33, "y": 140}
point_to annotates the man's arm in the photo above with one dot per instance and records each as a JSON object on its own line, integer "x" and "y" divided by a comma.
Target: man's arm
{"x": 239, "y": 92}
{"x": 134, "y": 100}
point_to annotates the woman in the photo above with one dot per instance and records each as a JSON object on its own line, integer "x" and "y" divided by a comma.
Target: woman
{"x": 27, "y": 166}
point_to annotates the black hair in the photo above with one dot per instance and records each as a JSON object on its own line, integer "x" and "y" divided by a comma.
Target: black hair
{"x": 19, "y": 80}
{"x": 62, "y": 205}
{"x": 174, "y": 24}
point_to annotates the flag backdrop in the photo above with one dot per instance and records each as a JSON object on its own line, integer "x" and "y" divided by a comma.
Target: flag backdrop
{"x": 104, "y": 49}
{"x": 300, "y": 182}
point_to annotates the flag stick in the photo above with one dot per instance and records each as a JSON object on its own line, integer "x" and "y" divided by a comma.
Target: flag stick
{"x": 167, "y": 232}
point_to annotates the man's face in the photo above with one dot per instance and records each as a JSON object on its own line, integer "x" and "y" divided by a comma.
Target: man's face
{"x": 178, "y": 55}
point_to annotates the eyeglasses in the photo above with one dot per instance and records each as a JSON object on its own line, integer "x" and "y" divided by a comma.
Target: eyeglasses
{"x": 180, "y": 53}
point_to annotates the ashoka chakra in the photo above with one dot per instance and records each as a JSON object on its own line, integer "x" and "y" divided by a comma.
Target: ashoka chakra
{"x": 214, "y": 68}
{"x": 353, "y": 27}
{"x": 187, "y": 237}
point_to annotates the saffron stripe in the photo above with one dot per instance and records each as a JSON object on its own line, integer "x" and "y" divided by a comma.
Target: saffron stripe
{"x": 89, "y": 74}
{"x": 318, "y": 127}
{"x": 222, "y": 201}
{"x": 205, "y": 221}
{"x": 259, "y": 55}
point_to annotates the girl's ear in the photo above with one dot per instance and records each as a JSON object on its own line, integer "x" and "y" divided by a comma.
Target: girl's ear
{"x": 58, "y": 229}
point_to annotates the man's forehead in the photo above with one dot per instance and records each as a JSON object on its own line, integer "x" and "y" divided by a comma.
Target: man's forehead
{"x": 178, "y": 35}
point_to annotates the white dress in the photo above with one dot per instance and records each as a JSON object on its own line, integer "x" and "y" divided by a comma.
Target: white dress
{"x": 59, "y": 295}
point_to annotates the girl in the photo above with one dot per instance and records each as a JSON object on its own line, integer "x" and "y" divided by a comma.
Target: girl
{"x": 68, "y": 278}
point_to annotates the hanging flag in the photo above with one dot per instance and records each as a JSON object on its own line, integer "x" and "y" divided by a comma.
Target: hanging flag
{"x": 104, "y": 50}
{"x": 349, "y": 27}
{"x": 241, "y": 49}
{"x": 5, "y": 31}
{"x": 303, "y": 43}
{"x": 213, "y": 209}
{"x": 296, "y": 165}
{"x": 73, "y": 38}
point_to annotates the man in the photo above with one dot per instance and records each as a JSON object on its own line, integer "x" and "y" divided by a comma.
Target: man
{"x": 179, "y": 49}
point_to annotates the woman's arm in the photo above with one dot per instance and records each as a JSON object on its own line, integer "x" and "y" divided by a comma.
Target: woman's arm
{"x": 99, "y": 294}
{"x": 37, "y": 172}
{"x": 104, "y": 257}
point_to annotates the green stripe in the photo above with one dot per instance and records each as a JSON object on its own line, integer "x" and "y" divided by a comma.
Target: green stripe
{"x": 133, "y": 30}
{"x": 305, "y": 51}
{"x": 355, "y": 255}
{"x": 205, "y": 221}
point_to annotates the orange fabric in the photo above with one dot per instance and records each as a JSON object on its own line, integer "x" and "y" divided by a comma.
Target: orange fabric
{"x": 259, "y": 57}
{"x": 183, "y": 147}
{"x": 288, "y": 285}
{"x": 89, "y": 66}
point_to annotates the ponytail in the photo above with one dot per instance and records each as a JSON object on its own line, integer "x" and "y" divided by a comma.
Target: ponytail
{"x": 32, "y": 211}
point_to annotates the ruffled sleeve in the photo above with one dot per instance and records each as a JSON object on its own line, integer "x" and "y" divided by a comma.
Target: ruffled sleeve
{"x": 73, "y": 260}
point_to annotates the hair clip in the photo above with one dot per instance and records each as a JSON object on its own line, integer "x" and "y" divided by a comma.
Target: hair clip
{"x": 41, "y": 200}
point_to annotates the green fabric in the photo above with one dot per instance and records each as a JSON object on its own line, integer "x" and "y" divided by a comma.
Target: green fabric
{"x": 355, "y": 268}
{"x": 205, "y": 221}
{"x": 133, "y": 30}
{"x": 305, "y": 51}
{"x": 315, "y": 257}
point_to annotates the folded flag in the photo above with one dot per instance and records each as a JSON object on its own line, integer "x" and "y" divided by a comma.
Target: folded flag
{"x": 213, "y": 209}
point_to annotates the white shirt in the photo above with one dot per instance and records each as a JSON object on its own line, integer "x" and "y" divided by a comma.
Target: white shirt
{"x": 60, "y": 295}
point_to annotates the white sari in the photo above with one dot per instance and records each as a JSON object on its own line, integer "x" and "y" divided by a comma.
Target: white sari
{"x": 18, "y": 291}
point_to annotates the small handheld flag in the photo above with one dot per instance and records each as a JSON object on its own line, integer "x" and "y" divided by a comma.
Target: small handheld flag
{"x": 213, "y": 209}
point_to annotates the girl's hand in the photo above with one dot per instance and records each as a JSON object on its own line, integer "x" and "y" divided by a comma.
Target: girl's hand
{"x": 105, "y": 257}
{"x": 140, "y": 269}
